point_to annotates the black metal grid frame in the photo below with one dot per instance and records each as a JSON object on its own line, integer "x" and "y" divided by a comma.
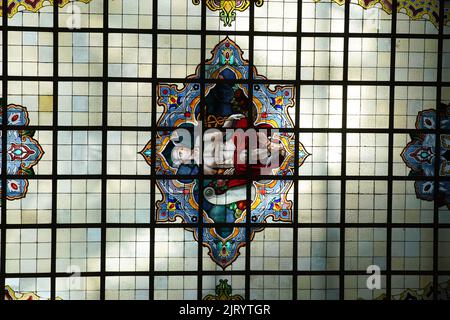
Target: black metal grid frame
{"x": 152, "y": 225}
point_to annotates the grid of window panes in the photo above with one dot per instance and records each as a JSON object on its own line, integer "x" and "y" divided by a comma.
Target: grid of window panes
{"x": 86, "y": 228}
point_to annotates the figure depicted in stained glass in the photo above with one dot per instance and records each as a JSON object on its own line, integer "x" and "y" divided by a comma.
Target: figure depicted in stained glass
{"x": 23, "y": 152}
{"x": 15, "y": 6}
{"x": 420, "y": 155}
{"x": 228, "y": 8}
{"x": 415, "y": 9}
{"x": 232, "y": 150}
{"x": 266, "y": 152}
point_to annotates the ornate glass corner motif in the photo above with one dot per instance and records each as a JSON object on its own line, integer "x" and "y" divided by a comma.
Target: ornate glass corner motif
{"x": 224, "y": 200}
{"x": 415, "y": 9}
{"x": 11, "y": 294}
{"x": 223, "y": 292}
{"x": 23, "y": 152}
{"x": 420, "y": 155}
{"x": 424, "y": 293}
{"x": 15, "y": 6}
{"x": 228, "y": 8}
